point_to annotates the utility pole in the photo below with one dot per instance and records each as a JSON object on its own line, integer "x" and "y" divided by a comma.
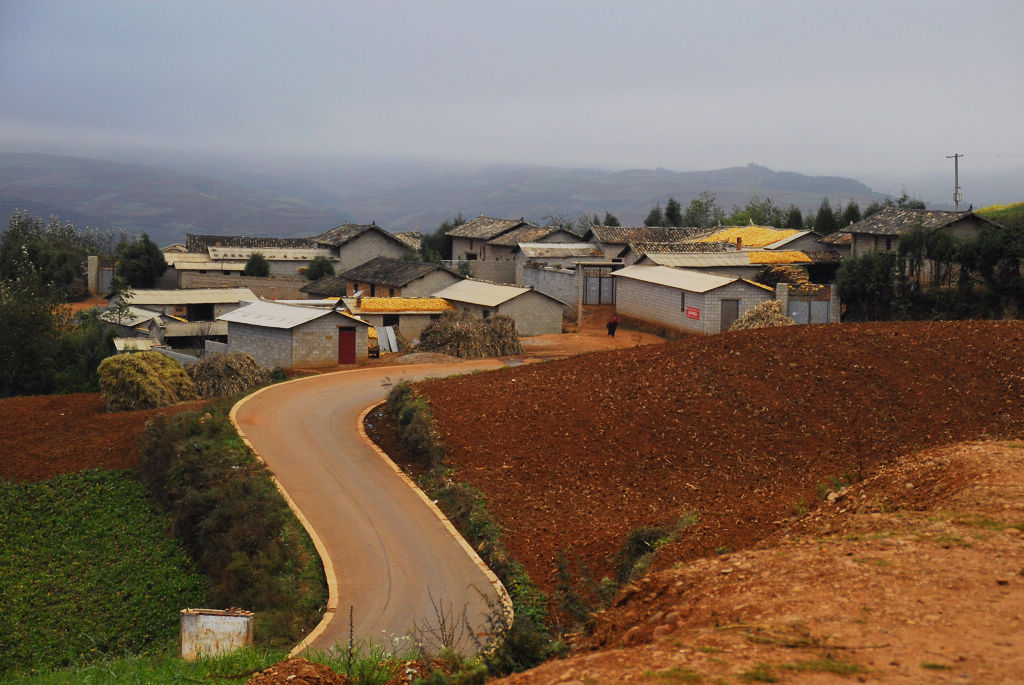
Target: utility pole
{"x": 957, "y": 196}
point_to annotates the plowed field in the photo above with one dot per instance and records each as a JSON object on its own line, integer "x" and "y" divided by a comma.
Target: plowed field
{"x": 738, "y": 428}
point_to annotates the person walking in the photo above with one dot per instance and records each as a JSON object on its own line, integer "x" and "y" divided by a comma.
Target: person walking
{"x": 612, "y": 324}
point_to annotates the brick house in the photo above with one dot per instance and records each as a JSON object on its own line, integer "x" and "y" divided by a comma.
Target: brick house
{"x": 289, "y": 336}
{"x": 534, "y": 312}
{"x": 881, "y": 231}
{"x": 684, "y": 300}
{"x": 386, "y": 277}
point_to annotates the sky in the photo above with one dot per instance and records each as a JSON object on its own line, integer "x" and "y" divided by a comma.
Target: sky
{"x": 865, "y": 88}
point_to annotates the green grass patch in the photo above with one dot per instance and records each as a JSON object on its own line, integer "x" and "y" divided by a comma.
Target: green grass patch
{"x": 88, "y": 570}
{"x": 935, "y": 666}
{"x": 760, "y": 673}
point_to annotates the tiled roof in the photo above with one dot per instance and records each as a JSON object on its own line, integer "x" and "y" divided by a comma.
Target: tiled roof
{"x": 390, "y": 271}
{"x": 654, "y": 234}
{"x": 346, "y": 232}
{"x": 523, "y": 234}
{"x": 752, "y": 236}
{"x": 837, "y": 238}
{"x": 485, "y": 227}
{"x": 200, "y": 243}
{"x": 328, "y": 286}
{"x": 411, "y": 238}
{"x": 643, "y": 247}
{"x": 557, "y": 250}
{"x": 824, "y": 256}
{"x": 896, "y": 220}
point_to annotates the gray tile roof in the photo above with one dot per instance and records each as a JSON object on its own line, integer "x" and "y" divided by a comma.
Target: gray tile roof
{"x": 651, "y": 234}
{"x": 346, "y": 232}
{"x": 523, "y": 234}
{"x": 411, "y": 238}
{"x": 644, "y": 247}
{"x": 560, "y": 250}
{"x": 896, "y": 220}
{"x": 486, "y": 227}
{"x": 328, "y": 286}
{"x": 390, "y": 271}
{"x": 200, "y": 243}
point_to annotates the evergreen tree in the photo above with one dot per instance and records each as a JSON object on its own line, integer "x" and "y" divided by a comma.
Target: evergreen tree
{"x": 257, "y": 265}
{"x": 850, "y": 215}
{"x": 703, "y": 211}
{"x": 673, "y": 213}
{"x": 825, "y": 221}
{"x": 610, "y": 219}
{"x": 437, "y": 246}
{"x": 140, "y": 262}
{"x": 320, "y": 266}
{"x": 794, "y": 218}
{"x": 655, "y": 217}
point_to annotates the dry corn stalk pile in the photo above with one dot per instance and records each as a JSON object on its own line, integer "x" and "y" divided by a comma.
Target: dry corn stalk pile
{"x": 143, "y": 380}
{"x": 764, "y": 315}
{"x": 223, "y": 375}
{"x": 460, "y": 334}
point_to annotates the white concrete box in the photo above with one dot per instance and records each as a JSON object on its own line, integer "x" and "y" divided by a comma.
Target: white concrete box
{"x": 210, "y": 632}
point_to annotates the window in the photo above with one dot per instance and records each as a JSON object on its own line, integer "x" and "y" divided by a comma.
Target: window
{"x": 391, "y": 292}
{"x": 470, "y": 256}
{"x": 888, "y": 243}
{"x": 486, "y": 313}
{"x": 390, "y": 320}
{"x": 682, "y": 302}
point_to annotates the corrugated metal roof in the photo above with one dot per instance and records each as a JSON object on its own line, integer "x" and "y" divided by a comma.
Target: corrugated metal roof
{"x": 273, "y": 315}
{"x": 480, "y": 293}
{"x": 699, "y": 260}
{"x": 556, "y": 250}
{"x": 135, "y": 344}
{"x": 273, "y": 254}
{"x": 693, "y": 281}
{"x": 192, "y": 296}
{"x": 136, "y": 315}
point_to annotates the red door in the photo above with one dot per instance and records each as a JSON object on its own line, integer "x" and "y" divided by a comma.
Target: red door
{"x": 346, "y": 346}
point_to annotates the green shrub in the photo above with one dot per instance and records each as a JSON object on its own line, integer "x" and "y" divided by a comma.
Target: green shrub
{"x": 234, "y": 523}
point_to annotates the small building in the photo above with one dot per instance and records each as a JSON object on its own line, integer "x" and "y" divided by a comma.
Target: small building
{"x": 557, "y": 255}
{"x": 409, "y": 315}
{"x": 684, "y": 300}
{"x": 353, "y": 244}
{"x": 469, "y": 239}
{"x": 194, "y": 304}
{"x": 489, "y": 245}
{"x": 388, "y": 277}
{"x": 534, "y": 312}
{"x": 742, "y": 264}
{"x": 289, "y": 336}
{"x": 881, "y": 231}
{"x": 614, "y": 241}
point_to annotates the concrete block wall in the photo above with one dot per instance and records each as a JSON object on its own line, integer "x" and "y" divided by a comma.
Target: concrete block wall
{"x": 658, "y": 304}
{"x": 270, "y": 347}
{"x": 276, "y": 288}
{"x": 560, "y": 284}
{"x": 316, "y": 343}
{"x": 748, "y": 295}
{"x": 427, "y": 285}
{"x": 534, "y": 314}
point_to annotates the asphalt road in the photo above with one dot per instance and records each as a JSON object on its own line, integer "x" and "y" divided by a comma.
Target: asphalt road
{"x": 392, "y": 557}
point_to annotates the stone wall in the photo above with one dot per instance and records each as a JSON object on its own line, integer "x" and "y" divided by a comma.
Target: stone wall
{"x": 200, "y": 243}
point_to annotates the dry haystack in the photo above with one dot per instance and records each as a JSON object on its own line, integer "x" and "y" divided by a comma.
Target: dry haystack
{"x": 764, "y": 315}
{"x": 460, "y": 334}
{"x": 143, "y": 380}
{"x": 223, "y": 375}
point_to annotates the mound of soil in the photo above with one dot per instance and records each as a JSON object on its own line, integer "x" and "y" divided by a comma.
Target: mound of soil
{"x": 298, "y": 671}
{"x": 44, "y": 436}
{"x": 738, "y": 428}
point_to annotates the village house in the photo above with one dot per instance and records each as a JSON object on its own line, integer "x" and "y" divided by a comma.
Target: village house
{"x": 354, "y": 244}
{"x": 533, "y": 312}
{"x": 408, "y": 315}
{"x": 290, "y": 336}
{"x": 194, "y": 304}
{"x": 385, "y": 277}
{"x": 683, "y": 300}
{"x": 614, "y": 241}
{"x": 488, "y": 246}
{"x": 881, "y": 231}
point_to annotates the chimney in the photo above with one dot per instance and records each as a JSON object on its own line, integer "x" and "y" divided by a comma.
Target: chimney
{"x": 739, "y": 243}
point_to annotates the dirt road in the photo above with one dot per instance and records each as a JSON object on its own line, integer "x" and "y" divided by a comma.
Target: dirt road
{"x": 391, "y": 556}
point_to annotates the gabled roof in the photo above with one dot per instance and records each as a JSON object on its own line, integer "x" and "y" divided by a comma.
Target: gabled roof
{"x": 209, "y": 266}
{"x": 524, "y": 234}
{"x": 752, "y": 236}
{"x": 693, "y": 281}
{"x": 273, "y": 315}
{"x": 560, "y": 250}
{"x": 390, "y": 271}
{"x": 620, "y": 235}
{"x": 136, "y": 344}
{"x": 644, "y": 247}
{"x": 486, "y": 227}
{"x": 342, "y": 234}
{"x": 136, "y": 316}
{"x": 412, "y": 239}
{"x": 896, "y": 220}
{"x": 328, "y": 286}
{"x": 192, "y": 296}
{"x": 481, "y": 293}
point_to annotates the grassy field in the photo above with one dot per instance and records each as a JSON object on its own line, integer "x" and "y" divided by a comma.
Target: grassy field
{"x": 88, "y": 571}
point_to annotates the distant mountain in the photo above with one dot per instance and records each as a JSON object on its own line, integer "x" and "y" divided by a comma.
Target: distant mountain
{"x": 303, "y": 200}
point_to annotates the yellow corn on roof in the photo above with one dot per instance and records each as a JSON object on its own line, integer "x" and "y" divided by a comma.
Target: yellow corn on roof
{"x": 404, "y": 304}
{"x": 753, "y": 236}
{"x": 372, "y": 333}
{"x": 779, "y": 257}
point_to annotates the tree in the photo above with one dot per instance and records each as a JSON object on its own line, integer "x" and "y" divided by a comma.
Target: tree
{"x": 825, "y": 221}
{"x": 866, "y": 285}
{"x": 140, "y": 262}
{"x": 257, "y": 265}
{"x": 703, "y": 211}
{"x": 850, "y": 215}
{"x": 32, "y": 319}
{"x": 90, "y": 341}
{"x": 874, "y": 208}
{"x": 610, "y": 219}
{"x": 437, "y": 246}
{"x": 794, "y": 218}
{"x": 673, "y": 213}
{"x": 655, "y": 217}
{"x": 320, "y": 266}
{"x": 122, "y": 293}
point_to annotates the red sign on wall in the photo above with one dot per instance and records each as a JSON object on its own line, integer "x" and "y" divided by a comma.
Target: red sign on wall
{"x": 693, "y": 313}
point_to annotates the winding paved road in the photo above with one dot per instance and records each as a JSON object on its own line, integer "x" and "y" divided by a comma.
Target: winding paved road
{"x": 386, "y": 550}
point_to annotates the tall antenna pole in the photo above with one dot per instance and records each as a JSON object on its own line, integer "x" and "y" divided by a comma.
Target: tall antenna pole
{"x": 957, "y": 196}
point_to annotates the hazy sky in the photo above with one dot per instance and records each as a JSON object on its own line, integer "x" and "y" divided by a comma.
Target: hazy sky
{"x": 859, "y": 88}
